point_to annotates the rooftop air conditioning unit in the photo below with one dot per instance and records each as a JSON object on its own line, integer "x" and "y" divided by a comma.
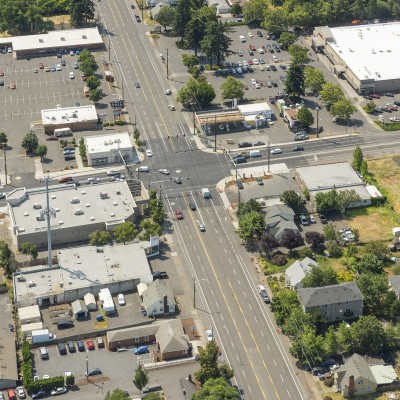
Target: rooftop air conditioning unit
{"x": 75, "y": 200}
{"x": 63, "y": 38}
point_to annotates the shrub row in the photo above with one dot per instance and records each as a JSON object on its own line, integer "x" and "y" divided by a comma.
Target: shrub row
{"x": 46, "y": 384}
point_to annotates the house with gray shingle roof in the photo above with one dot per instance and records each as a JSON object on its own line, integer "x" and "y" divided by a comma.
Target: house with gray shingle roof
{"x": 278, "y": 219}
{"x": 172, "y": 340}
{"x": 159, "y": 299}
{"x": 334, "y": 302}
{"x": 295, "y": 274}
{"x": 395, "y": 284}
{"x": 137, "y": 335}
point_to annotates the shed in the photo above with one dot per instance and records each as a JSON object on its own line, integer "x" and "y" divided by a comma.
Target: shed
{"x": 141, "y": 288}
{"x": 30, "y": 314}
{"x": 90, "y": 301}
{"x": 79, "y": 309}
{"x": 26, "y": 329}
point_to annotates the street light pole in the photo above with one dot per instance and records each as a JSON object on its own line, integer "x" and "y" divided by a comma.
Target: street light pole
{"x": 5, "y": 162}
{"x": 269, "y": 155}
{"x": 194, "y": 292}
{"x": 167, "y": 65}
{"x": 215, "y": 133}
{"x": 87, "y": 367}
{"x": 317, "y": 109}
{"x": 109, "y": 49}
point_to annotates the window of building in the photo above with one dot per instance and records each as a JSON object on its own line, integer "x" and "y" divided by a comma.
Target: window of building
{"x": 136, "y": 340}
{"x": 146, "y": 338}
{"x": 161, "y": 309}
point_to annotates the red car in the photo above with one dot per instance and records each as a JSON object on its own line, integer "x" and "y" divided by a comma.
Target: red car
{"x": 375, "y": 96}
{"x": 65, "y": 179}
{"x": 252, "y": 47}
{"x": 179, "y": 214}
{"x": 90, "y": 344}
{"x": 41, "y": 66}
{"x": 250, "y": 62}
{"x": 1, "y": 73}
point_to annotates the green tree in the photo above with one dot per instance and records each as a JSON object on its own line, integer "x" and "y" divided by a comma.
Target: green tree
{"x": 216, "y": 389}
{"x": 313, "y": 79}
{"x": 6, "y": 258}
{"x": 368, "y": 335}
{"x": 305, "y": 117}
{"x": 99, "y": 238}
{"x": 125, "y": 232}
{"x": 141, "y": 378}
{"x": 369, "y": 263}
{"x": 3, "y": 139}
{"x": 331, "y": 342}
{"x": 117, "y": 394}
{"x": 166, "y": 16}
{"x": 157, "y": 211}
{"x": 216, "y": 42}
{"x": 253, "y": 11}
{"x": 194, "y": 34}
{"x": 308, "y": 346}
{"x": 299, "y": 54}
{"x": 85, "y": 55}
{"x": 149, "y": 228}
{"x": 198, "y": 89}
{"x": 327, "y": 202}
{"x": 287, "y": 39}
{"x": 358, "y": 158}
{"x": 89, "y": 66}
{"x": 29, "y": 249}
{"x": 82, "y": 11}
{"x": 331, "y": 93}
{"x": 294, "y": 83}
{"x": 232, "y": 88}
{"x": 236, "y": 9}
{"x": 95, "y": 95}
{"x": 251, "y": 226}
{"x": 344, "y": 338}
{"x": 30, "y": 142}
{"x": 283, "y": 303}
{"x": 296, "y": 323}
{"x": 378, "y": 248}
{"x": 248, "y": 206}
{"x": 291, "y": 239}
{"x": 183, "y": 14}
{"x": 208, "y": 359}
{"x": 293, "y": 200}
{"x": 342, "y": 109}
{"x": 334, "y": 249}
{"x": 391, "y": 306}
{"x": 374, "y": 288}
{"x": 320, "y": 276}
{"x": 41, "y": 151}
{"x": 267, "y": 243}
{"x": 93, "y": 82}
{"x": 330, "y": 232}
{"x": 276, "y": 20}
{"x": 152, "y": 396}
{"x": 314, "y": 238}
{"x": 370, "y": 107}
{"x": 345, "y": 198}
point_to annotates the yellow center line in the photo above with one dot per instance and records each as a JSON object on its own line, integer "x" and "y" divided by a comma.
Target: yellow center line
{"x": 230, "y": 311}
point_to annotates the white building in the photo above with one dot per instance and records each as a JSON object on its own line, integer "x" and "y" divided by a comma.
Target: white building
{"x": 53, "y": 41}
{"x": 367, "y": 55}
{"x": 251, "y": 111}
{"x": 159, "y": 299}
{"x": 82, "y": 270}
{"x": 76, "y": 118}
{"x": 108, "y": 149}
{"x": 29, "y": 314}
{"x": 78, "y": 211}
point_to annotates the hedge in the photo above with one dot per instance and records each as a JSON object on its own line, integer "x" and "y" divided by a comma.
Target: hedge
{"x": 26, "y": 351}
{"x": 46, "y": 384}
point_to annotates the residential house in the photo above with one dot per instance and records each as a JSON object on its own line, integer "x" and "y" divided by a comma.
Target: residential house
{"x": 394, "y": 282}
{"x": 159, "y": 299}
{"x": 335, "y": 302}
{"x": 134, "y": 336}
{"x": 362, "y": 375}
{"x": 295, "y": 274}
{"x": 172, "y": 341}
{"x": 153, "y": 3}
{"x": 279, "y": 218}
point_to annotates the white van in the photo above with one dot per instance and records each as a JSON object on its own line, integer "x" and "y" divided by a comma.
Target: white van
{"x": 206, "y": 193}
{"x": 143, "y": 169}
{"x": 62, "y": 132}
{"x": 242, "y": 38}
{"x": 255, "y": 153}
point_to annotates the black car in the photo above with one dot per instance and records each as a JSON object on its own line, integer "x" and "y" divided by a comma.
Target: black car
{"x": 65, "y": 324}
{"x": 61, "y": 348}
{"x": 298, "y": 148}
{"x": 323, "y": 219}
{"x": 251, "y": 53}
{"x": 39, "y": 395}
{"x": 259, "y": 34}
{"x": 239, "y": 160}
{"x": 273, "y": 68}
{"x": 94, "y": 371}
{"x": 71, "y": 347}
{"x": 177, "y": 179}
{"x": 274, "y": 84}
{"x": 80, "y": 345}
{"x": 132, "y": 6}
{"x": 244, "y": 144}
{"x": 264, "y": 296}
{"x": 239, "y": 184}
{"x": 192, "y": 206}
{"x": 160, "y": 275}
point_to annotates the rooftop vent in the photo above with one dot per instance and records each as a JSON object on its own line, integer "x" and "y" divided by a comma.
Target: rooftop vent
{"x": 92, "y": 218}
{"x": 115, "y": 203}
{"x": 26, "y": 214}
{"x": 84, "y": 37}
{"x": 87, "y": 204}
{"x": 112, "y": 214}
{"x": 78, "y": 212}
{"x": 41, "y": 40}
{"x": 60, "y": 222}
{"x": 83, "y": 191}
{"x": 75, "y": 200}
{"x": 62, "y": 38}
{"x": 53, "y": 196}
{"x": 21, "y": 229}
{"x": 37, "y": 206}
{"x": 57, "y": 209}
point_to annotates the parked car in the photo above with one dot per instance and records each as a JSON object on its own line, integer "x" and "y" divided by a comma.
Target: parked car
{"x": 39, "y": 395}
{"x": 61, "y": 348}
{"x": 263, "y": 293}
{"x": 81, "y": 345}
{"x": 192, "y": 206}
{"x": 58, "y": 391}
{"x": 259, "y": 181}
{"x": 244, "y": 144}
{"x": 141, "y": 350}
{"x": 121, "y": 299}
{"x": 323, "y": 219}
{"x": 94, "y": 371}
{"x": 71, "y": 347}
{"x": 303, "y": 220}
{"x": 209, "y": 334}
{"x": 20, "y": 392}
{"x": 160, "y": 275}
{"x": 90, "y": 344}
{"x": 100, "y": 342}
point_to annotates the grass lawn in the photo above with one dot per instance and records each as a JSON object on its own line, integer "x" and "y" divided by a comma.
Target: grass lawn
{"x": 376, "y": 396}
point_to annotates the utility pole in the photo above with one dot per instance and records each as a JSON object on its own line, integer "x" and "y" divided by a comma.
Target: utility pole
{"x": 48, "y": 213}
{"x": 269, "y": 155}
{"x": 143, "y": 3}
{"x": 317, "y": 109}
{"x": 167, "y": 65}
{"x": 215, "y": 133}
{"x": 109, "y": 48}
{"x": 194, "y": 120}
{"x": 5, "y": 161}
{"x": 194, "y": 292}
{"x": 87, "y": 367}
{"x": 122, "y": 88}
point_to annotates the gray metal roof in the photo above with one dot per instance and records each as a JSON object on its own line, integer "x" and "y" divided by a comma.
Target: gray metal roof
{"x": 279, "y": 210}
{"x": 298, "y": 270}
{"x": 395, "y": 283}
{"x": 334, "y": 294}
{"x": 356, "y": 366}
{"x": 155, "y": 292}
{"x": 171, "y": 337}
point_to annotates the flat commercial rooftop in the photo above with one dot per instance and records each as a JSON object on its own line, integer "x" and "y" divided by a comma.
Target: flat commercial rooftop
{"x": 370, "y": 51}
{"x": 329, "y": 176}
{"x": 104, "y": 143}
{"x": 65, "y": 115}
{"x": 53, "y": 39}
{"x": 103, "y": 202}
{"x": 81, "y": 267}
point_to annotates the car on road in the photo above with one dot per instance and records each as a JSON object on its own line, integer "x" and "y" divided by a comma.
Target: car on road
{"x": 141, "y": 350}
{"x": 258, "y": 143}
{"x": 239, "y": 184}
{"x": 137, "y": 85}
{"x": 41, "y": 394}
{"x": 71, "y": 75}
{"x": 168, "y": 92}
{"x": 93, "y": 181}
{"x": 132, "y": 6}
{"x": 143, "y": 168}
{"x": 300, "y": 136}
{"x": 276, "y": 151}
{"x": 20, "y": 392}
{"x": 239, "y": 160}
{"x": 113, "y": 172}
{"x": 160, "y": 275}
{"x": 260, "y": 181}
{"x": 177, "y": 180}
{"x": 149, "y": 153}
{"x": 171, "y": 107}
{"x": 298, "y": 148}
{"x": 75, "y": 65}
{"x": 90, "y": 344}
{"x": 209, "y": 334}
{"x": 263, "y": 293}
{"x": 202, "y": 228}
{"x": 80, "y": 345}
{"x": 94, "y": 371}
{"x": 137, "y": 18}
{"x": 323, "y": 219}
{"x": 178, "y": 213}
{"x": 163, "y": 171}
{"x": 303, "y": 220}
{"x": 121, "y": 299}
{"x": 58, "y": 391}
{"x": 2, "y": 195}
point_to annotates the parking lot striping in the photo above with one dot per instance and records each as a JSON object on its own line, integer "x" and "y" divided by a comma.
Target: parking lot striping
{"x": 288, "y": 393}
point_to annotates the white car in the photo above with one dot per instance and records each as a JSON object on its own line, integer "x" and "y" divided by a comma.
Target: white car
{"x": 59, "y": 67}
{"x": 250, "y": 34}
{"x": 253, "y": 81}
{"x": 276, "y": 151}
{"x": 20, "y": 392}
{"x": 93, "y": 181}
{"x": 71, "y": 75}
{"x": 163, "y": 171}
{"x": 255, "y": 61}
{"x": 168, "y": 92}
{"x": 121, "y": 299}
{"x": 240, "y": 64}
{"x": 209, "y": 334}
{"x": 258, "y": 86}
{"x": 245, "y": 64}
{"x": 261, "y": 51}
{"x": 143, "y": 169}
{"x": 394, "y": 119}
{"x": 58, "y": 391}
{"x": 46, "y": 376}
{"x": 312, "y": 219}
{"x": 149, "y": 153}
{"x": 113, "y": 172}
